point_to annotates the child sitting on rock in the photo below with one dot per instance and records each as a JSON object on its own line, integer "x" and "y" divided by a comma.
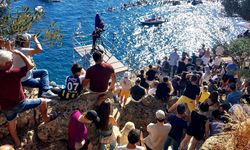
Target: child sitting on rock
{"x": 73, "y": 83}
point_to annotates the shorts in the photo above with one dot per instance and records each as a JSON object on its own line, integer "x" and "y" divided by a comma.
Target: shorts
{"x": 21, "y": 107}
{"x": 190, "y": 102}
{"x": 124, "y": 93}
{"x": 198, "y": 135}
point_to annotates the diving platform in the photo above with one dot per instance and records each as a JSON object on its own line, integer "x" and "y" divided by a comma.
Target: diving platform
{"x": 85, "y": 50}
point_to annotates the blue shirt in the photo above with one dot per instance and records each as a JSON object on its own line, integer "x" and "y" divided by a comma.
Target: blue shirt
{"x": 234, "y": 97}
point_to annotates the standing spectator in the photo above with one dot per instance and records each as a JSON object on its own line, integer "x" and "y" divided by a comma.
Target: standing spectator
{"x": 189, "y": 67}
{"x": 158, "y": 132}
{"x": 133, "y": 138}
{"x": 204, "y": 94}
{"x": 179, "y": 125}
{"x": 153, "y": 88}
{"x": 126, "y": 86}
{"x": 194, "y": 57}
{"x": 181, "y": 66}
{"x": 165, "y": 66}
{"x": 234, "y": 96}
{"x": 35, "y": 78}
{"x": 190, "y": 96}
{"x": 137, "y": 91}
{"x": 176, "y": 85}
{"x": 198, "y": 128}
{"x": 73, "y": 83}
{"x": 206, "y": 57}
{"x": 164, "y": 90}
{"x": 202, "y": 50}
{"x": 151, "y": 74}
{"x": 97, "y": 77}
{"x": 143, "y": 80}
{"x": 173, "y": 60}
{"x": 12, "y": 98}
{"x": 77, "y": 130}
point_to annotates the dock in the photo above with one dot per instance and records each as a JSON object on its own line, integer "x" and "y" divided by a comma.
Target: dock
{"x": 118, "y": 66}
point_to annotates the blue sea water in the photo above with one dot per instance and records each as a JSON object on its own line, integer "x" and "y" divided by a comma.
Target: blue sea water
{"x": 187, "y": 27}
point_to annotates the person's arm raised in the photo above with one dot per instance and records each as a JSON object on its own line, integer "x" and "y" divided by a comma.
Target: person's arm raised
{"x": 38, "y": 47}
{"x": 27, "y": 61}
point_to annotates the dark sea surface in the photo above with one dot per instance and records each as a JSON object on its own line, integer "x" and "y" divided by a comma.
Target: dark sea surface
{"x": 187, "y": 27}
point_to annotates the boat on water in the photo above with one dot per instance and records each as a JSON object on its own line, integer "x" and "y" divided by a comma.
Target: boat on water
{"x": 153, "y": 21}
{"x": 196, "y": 2}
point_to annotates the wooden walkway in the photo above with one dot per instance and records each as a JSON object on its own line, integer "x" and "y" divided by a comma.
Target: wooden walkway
{"x": 108, "y": 57}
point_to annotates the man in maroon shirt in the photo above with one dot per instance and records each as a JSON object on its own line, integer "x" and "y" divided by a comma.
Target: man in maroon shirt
{"x": 12, "y": 98}
{"x": 97, "y": 76}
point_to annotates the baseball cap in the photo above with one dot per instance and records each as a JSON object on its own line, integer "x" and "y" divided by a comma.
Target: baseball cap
{"x": 160, "y": 114}
{"x": 92, "y": 116}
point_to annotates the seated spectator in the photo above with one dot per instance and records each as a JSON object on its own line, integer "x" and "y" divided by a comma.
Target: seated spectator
{"x": 126, "y": 86}
{"x": 158, "y": 132}
{"x": 125, "y": 131}
{"x": 77, "y": 130}
{"x": 35, "y": 78}
{"x": 97, "y": 77}
{"x": 133, "y": 139}
{"x": 198, "y": 127}
{"x": 204, "y": 94}
{"x": 12, "y": 98}
{"x": 151, "y": 75}
{"x": 143, "y": 80}
{"x": 106, "y": 126}
{"x": 7, "y": 147}
{"x": 152, "y": 89}
{"x": 224, "y": 108}
{"x": 137, "y": 92}
{"x": 164, "y": 90}
{"x": 179, "y": 125}
{"x": 73, "y": 83}
{"x": 234, "y": 96}
{"x": 216, "y": 126}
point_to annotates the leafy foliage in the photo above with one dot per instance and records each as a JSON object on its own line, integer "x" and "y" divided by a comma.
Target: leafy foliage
{"x": 241, "y": 7}
{"x": 240, "y": 46}
{"x": 21, "y": 22}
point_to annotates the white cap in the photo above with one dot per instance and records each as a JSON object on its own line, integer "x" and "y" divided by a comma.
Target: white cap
{"x": 126, "y": 74}
{"x": 160, "y": 115}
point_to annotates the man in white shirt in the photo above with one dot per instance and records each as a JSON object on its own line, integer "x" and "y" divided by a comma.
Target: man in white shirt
{"x": 158, "y": 132}
{"x": 36, "y": 78}
{"x": 133, "y": 138}
{"x": 173, "y": 60}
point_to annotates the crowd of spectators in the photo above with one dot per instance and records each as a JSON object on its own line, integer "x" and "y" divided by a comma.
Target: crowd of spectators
{"x": 208, "y": 90}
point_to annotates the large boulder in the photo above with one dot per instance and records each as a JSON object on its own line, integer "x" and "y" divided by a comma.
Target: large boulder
{"x": 140, "y": 113}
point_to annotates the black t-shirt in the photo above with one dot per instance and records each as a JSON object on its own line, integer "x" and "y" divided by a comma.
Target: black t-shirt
{"x": 162, "y": 91}
{"x": 189, "y": 67}
{"x": 181, "y": 67}
{"x": 151, "y": 74}
{"x": 137, "y": 92}
{"x": 196, "y": 127}
{"x": 191, "y": 90}
{"x": 143, "y": 81}
{"x": 177, "y": 127}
